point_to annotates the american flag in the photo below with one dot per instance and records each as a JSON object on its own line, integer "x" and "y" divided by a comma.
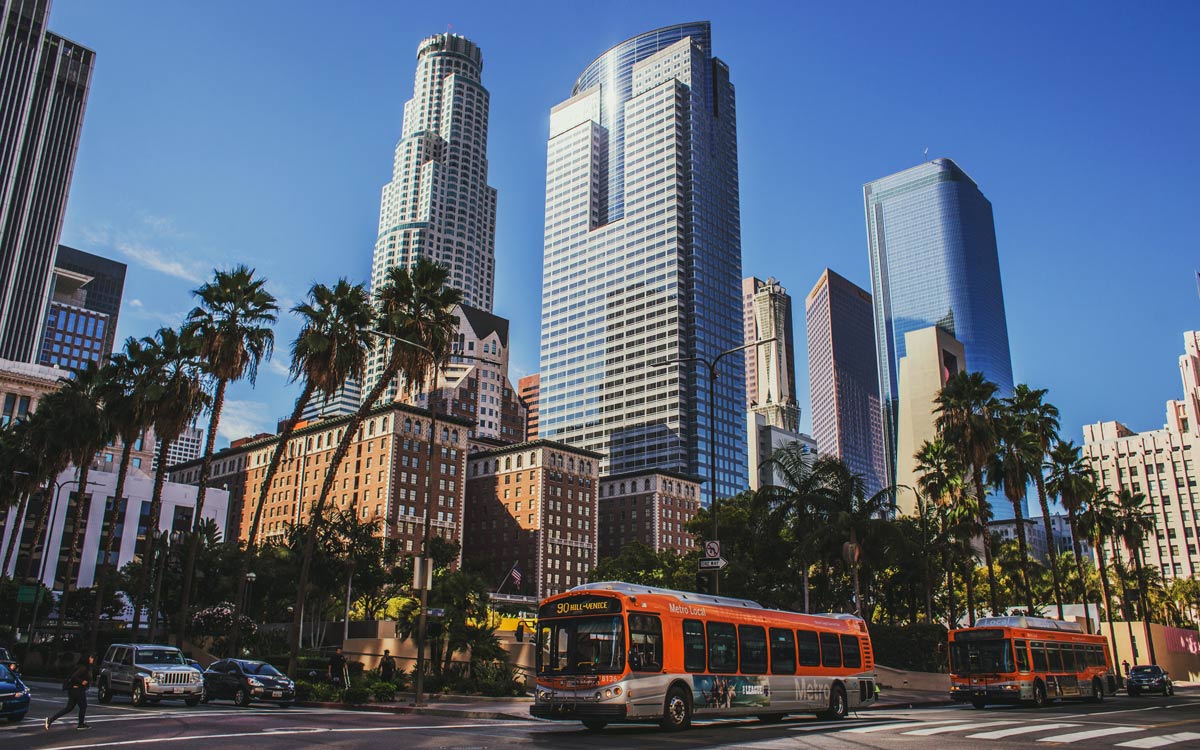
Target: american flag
{"x": 516, "y": 574}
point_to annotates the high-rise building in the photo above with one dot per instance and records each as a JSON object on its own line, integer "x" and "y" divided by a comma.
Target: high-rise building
{"x": 187, "y": 447}
{"x": 642, "y": 263}
{"x": 439, "y": 205}
{"x": 770, "y": 368}
{"x": 932, "y": 244}
{"x": 528, "y": 389}
{"x": 1162, "y": 465}
{"x": 651, "y": 507}
{"x": 764, "y": 440}
{"x": 45, "y": 80}
{"x": 342, "y": 402}
{"x": 843, "y": 379}
{"x": 85, "y": 300}
{"x": 105, "y": 290}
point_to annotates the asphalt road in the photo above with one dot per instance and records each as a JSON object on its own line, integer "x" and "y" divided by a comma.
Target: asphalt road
{"x": 1147, "y": 722}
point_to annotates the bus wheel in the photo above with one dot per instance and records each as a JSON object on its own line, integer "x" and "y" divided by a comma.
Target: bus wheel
{"x": 838, "y": 707}
{"x": 595, "y": 725}
{"x": 677, "y": 712}
{"x": 1097, "y": 692}
{"x": 1039, "y": 695}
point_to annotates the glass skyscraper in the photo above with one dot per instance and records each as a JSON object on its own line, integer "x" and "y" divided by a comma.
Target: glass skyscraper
{"x": 932, "y": 244}
{"x": 643, "y": 262}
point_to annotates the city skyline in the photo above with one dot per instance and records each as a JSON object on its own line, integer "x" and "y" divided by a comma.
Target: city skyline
{"x": 150, "y": 223}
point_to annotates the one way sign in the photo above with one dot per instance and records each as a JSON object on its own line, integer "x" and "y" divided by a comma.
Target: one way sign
{"x": 713, "y": 563}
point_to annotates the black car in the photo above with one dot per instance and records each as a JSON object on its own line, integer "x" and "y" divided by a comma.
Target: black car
{"x": 14, "y": 695}
{"x": 245, "y": 681}
{"x": 1146, "y": 678}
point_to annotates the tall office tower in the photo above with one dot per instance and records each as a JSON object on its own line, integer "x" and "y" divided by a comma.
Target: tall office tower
{"x": 45, "y": 81}
{"x": 643, "y": 262}
{"x": 187, "y": 447}
{"x": 103, "y": 293}
{"x": 439, "y": 205}
{"x": 529, "y": 389}
{"x": 843, "y": 379}
{"x": 932, "y": 245}
{"x": 770, "y": 368}
{"x": 342, "y": 402}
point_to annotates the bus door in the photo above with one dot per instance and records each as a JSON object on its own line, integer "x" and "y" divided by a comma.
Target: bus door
{"x": 985, "y": 657}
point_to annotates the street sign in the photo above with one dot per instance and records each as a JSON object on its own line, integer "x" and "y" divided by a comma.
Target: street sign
{"x": 26, "y": 594}
{"x": 712, "y": 549}
{"x": 710, "y": 563}
{"x": 435, "y": 612}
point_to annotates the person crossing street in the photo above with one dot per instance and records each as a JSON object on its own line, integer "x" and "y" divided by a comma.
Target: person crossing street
{"x": 76, "y": 686}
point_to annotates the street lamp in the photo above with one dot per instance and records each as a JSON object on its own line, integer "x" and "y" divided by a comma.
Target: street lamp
{"x": 37, "y": 600}
{"x": 712, "y": 430}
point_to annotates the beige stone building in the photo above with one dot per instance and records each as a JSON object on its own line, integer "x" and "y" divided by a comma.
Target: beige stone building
{"x": 651, "y": 507}
{"x": 1162, "y": 465}
{"x": 931, "y": 356}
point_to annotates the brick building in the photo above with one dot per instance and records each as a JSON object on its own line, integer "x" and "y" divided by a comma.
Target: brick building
{"x": 532, "y": 504}
{"x": 651, "y": 507}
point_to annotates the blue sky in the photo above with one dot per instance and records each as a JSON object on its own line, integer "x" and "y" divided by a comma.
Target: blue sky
{"x": 262, "y": 132}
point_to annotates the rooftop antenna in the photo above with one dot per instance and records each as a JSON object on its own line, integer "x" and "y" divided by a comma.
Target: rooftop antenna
{"x": 926, "y": 153}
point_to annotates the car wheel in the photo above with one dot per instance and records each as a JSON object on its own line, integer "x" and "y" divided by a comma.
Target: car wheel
{"x": 285, "y": 705}
{"x": 677, "y": 710}
{"x": 595, "y": 725}
{"x": 15, "y": 718}
{"x": 241, "y": 697}
{"x": 138, "y": 696}
{"x": 980, "y": 704}
{"x": 104, "y": 693}
{"x": 1168, "y": 690}
{"x": 838, "y": 707}
{"x": 1097, "y": 692}
{"x": 194, "y": 701}
{"x": 1134, "y": 692}
{"x": 1039, "y": 695}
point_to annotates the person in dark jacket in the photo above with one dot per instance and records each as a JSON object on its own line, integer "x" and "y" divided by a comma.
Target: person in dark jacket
{"x": 387, "y": 666}
{"x": 337, "y": 668}
{"x": 76, "y": 686}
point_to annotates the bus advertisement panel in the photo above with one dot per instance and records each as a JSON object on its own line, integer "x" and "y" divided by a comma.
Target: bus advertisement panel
{"x": 614, "y": 651}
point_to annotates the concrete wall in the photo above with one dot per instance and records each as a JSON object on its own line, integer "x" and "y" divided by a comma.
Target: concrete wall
{"x": 1177, "y": 650}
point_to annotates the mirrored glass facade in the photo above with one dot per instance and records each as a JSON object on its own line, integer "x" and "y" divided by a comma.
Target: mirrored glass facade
{"x": 932, "y": 244}
{"x": 643, "y": 261}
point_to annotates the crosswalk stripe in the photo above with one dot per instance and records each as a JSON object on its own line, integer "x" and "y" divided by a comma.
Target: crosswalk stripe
{"x": 1161, "y": 740}
{"x": 1027, "y": 729}
{"x": 1089, "y": 734}
{"x": 824, "y": 725}
{"x": 901, "y": 725}
{"x": 957, "y": 727}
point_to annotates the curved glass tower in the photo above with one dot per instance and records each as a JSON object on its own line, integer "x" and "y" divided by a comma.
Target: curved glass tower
{"x": 932, "y": 242}
{"x": 643, "y": 261}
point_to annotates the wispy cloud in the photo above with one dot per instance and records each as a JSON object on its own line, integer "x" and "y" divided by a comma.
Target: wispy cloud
{"x": 135, "y": 302}
{"x": 240, "y": 419}
{"x": 154, "y": 242}
{"x": 277, "y": 366}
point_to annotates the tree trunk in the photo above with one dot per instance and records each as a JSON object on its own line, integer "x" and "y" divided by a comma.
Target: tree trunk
{"x": 969, "y": 578}
{"x": 984, "y": 507}
{"x": 1087, "y": 615}
{"x": 951, "y": 600}
{"x": 805, "y": 585}
{"x": 1051, "y": 547}
{"x": 104, "y": 570}
{"x": 82, "y": 501}
{"x": 16, "y": 520}
{"x": 151, "y": 527}
{"x": 318, "y": 508}
{"x": 1143, "y": 595}
{"x": 1023, "y": 550}
{"x": 189, "y": 567}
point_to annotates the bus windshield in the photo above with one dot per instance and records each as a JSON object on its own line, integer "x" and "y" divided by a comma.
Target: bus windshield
{"x": 581, "y": 645}
{"x": 981, "y": 657}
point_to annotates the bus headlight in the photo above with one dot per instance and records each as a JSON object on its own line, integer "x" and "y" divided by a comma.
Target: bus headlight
{"x": 617, "y": 690}
{"x": 544, "y": 696}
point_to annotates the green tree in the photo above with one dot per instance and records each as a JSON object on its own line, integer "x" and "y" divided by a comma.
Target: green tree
{"x": 1101, "y": 523}
{"x": 796, "y": 505}
{"x": 19, "y": 472}
{"x": 966, "y": 416}
{"x": 1017, "y": 458}
{"x": 1071, "y": 480}
{"x": 638, "y": 563}
{"x": 1136, "y": 523}
{"x": 231, "y": 330}
{"x": 940, "y": 482}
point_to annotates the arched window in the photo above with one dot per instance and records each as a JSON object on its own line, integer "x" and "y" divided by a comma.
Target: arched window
{"x": 445, "y": 434}
{"x": 646, "y": 483}
{"x": 571, "y": 464}
{"x": 507, "y": 463}
{"x": 520, "y": 460}
{"x": 454, "y": 437}
{"x": 408, "y": 426}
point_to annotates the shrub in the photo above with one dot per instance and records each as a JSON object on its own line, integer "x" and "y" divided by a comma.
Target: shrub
{"x": 496, "y": 679}
{"x": 383, "y": 692}
{"x": 920, "y": 647}
{"x": 356, "y": 696}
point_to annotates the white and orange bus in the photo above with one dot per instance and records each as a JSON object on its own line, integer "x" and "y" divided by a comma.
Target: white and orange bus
{"x": 609, "y": 652}
{"x": 1021, "y": 659}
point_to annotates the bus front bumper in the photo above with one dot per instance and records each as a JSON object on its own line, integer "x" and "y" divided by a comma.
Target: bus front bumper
{"x": 579, "y": 710}
{"x": 1004, "y": 693}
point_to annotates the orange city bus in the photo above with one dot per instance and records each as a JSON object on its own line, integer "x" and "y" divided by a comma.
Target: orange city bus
{"x": 1023, "y": 659}
{"x": 609, "y": 652}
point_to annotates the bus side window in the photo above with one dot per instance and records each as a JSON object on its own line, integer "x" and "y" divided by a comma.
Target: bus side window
{"x": 831, "y": 650}
{"x": 645, "y": 643}
{"x": 693, "y": 646}
{"x": 1037, "y": 648}
{"x": 851, "y": 652}
{"x": 783, "y": 651}
{"x": 810, "y": 649}
{"x": 1097, "y": 656}
{"x": 752, "y": 640}
{"x": 1022, "y": 648}
{"x": 722, "y": 648}
{"x": 1054, "y": 657}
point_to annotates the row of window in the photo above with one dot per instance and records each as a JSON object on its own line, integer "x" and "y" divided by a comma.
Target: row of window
{"x": 723, "y": 648}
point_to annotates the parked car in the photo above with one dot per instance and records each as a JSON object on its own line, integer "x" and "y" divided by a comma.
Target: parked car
{"x": 146, "y": 672}
{"x": 1145, "y": 678}
{"x": 244, "y": 681}
{"x": 14, "y": 694}
{"x": 7, "y": 660}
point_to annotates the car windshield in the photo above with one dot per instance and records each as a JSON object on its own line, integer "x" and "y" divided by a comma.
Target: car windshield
{"x": 1146, "y": 670}
{"x": 159, "y": 656}
{"x": 981, "y": 657}
{"x": 581, "y": 645}
{"x": 6, "y": 674}
{"x": 260, "y": 668}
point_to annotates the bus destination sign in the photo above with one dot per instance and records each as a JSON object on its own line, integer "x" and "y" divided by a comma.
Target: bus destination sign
{"x": 580, "y": 605}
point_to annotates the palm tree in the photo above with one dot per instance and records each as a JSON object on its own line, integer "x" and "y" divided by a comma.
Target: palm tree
{"x": 414, "y": 306}
{"x": 1100, "y": 522}
{"x": 1040, "y": 419}
{"x": 1071, "y": 480}
{"x": 173, "y": 396}
{"x": 18, "y": 480}
{"x": 966, "y": 409}
{"x": 231, "y": 330}
{"x": 128, "y": 414}
{"x": 1018, "y": 456}
{"x": 796, "y": 503}
{"x": 332, "y": 346}
{"x": 1135, "y": 525}
{"x": 940, "y": 481}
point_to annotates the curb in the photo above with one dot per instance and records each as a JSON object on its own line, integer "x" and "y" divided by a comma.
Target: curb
{"x": 457, "y": 713}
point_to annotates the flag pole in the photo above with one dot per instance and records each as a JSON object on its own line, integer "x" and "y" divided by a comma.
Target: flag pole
{"x": 506, "y": 577}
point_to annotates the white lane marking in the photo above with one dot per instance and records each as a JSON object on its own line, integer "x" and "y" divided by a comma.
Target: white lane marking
{"x": 1090, "y": 733}
{"x": 1001, "y": 733}
{"x": 823, "y": 725}
{"x": 1161, "y": 740}
{"x": 1124, "y": 711}
{"x": 901, "y": 725}
{"x": 341, "y": 730}
{"x": 957, "y": 727}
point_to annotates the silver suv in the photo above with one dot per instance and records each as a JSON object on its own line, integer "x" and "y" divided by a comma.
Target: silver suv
{"x": 148, "y": 673}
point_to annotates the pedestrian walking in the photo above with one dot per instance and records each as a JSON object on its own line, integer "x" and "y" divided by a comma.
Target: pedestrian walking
{"x": 337, "y": 668}
{"x": 387, "y": 666}
{"x": 76, "y": 686}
